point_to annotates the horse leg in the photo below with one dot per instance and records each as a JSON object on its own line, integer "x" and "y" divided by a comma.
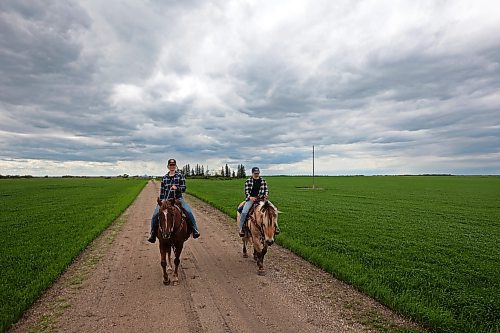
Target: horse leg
{"x": 169, "y": 266}
{"x": 177, "y": 260}
{"x": 163, "y": 252}
{"x": 261, "y": 270}
{"x": 257, "y": 248}
{"x": 258, "y": 254}
{"x": 245, "y": 254}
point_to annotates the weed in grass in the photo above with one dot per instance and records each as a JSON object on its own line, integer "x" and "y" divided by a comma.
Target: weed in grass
{"x": 48, "y": 322}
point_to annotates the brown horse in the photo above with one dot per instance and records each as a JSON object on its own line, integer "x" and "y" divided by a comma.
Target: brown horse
{"x": 173, "y": 231}
{"x": 260, "y": 229}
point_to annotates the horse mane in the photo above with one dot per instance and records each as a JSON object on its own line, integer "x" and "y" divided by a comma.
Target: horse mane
{"x": 268, "y": 208}
{"x": 166, "y": 204}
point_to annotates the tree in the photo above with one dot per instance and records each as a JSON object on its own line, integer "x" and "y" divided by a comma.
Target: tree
{"x": 241, "y": 171}
{"x": 227, "y": 173}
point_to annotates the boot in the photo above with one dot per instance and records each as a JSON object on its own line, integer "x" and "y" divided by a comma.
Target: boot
{"x": 192, "y": 222}
{"x": 241, "y": 225}
{"x": 196, "y": 233}
{"x": 154, "y": 231}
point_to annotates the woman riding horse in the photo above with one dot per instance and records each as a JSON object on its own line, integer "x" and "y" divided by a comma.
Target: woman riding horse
{"x": 173, "y": 185}
{"x": 173, "y": 231}
{"x": 261, "y": 228}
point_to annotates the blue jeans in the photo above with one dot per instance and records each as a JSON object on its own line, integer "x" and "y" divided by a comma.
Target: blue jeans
{"x": 187, "y": 209}
{"x": 244, "y": 213}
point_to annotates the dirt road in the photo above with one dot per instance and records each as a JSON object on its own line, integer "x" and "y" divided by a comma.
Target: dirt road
{"x": 116, "y": 286}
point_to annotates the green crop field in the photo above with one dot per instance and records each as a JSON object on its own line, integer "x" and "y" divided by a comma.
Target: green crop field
{"x": 44, "y": 225}
{"x": 426, "y": 246}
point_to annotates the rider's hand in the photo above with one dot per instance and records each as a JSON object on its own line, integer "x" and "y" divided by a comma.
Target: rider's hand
{"x": 253, "y": 199}
{"x": 174, "y": 187}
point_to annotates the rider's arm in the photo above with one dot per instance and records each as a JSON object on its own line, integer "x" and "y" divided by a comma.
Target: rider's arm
{"x": 265, "y": 188}
{"x": 182, "y": 184}
{"x": 248, "y": 188}
{"x": 162, "y": 189}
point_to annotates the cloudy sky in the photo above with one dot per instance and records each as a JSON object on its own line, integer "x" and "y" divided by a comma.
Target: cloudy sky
{"x": 379, "y": 87}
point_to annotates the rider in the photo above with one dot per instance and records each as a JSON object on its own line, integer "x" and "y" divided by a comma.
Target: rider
{"x": 173, "y": 185}
{"x": 255, "y": 189}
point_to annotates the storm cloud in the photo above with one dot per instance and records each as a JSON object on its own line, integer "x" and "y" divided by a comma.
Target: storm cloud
{"x": 103, "y": 88}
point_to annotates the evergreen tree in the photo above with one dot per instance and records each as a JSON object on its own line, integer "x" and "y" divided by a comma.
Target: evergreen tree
{"x": 242, "y": 171}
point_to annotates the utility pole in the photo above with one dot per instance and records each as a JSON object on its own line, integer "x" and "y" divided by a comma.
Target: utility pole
{"x": 313, "y": 167}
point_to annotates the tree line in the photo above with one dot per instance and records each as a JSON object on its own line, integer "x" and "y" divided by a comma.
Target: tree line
{"x": 225, "y": 171}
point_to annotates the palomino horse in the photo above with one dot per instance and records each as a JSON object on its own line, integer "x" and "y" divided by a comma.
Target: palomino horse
{"x": 261, "y": 227}
{"x": 173, "y": 231}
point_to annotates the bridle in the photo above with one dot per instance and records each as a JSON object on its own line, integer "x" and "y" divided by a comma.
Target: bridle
{"x": 168, "y": 234}
{"x": 260, "y": 226}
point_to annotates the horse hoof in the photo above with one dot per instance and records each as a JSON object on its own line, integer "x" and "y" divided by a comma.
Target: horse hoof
{"x": 166, "y": 282}
{"x": 169, "y": 270}
{"x": 175, "y": 283}
{"x": 261, "y": 272}
{"x": 245, "y": 255}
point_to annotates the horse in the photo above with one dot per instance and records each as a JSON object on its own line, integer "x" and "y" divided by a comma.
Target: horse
{"x": 259, "y": 229}
{"x": 173, "y": 231}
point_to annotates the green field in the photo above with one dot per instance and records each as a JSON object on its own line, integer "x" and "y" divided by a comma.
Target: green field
{"x": 427, "y": 247}
{"x": 44, "y": 225}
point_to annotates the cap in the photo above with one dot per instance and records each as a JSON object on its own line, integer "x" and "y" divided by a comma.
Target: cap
{"x": 255, "y": 169}
{"x": 172, "y": 161}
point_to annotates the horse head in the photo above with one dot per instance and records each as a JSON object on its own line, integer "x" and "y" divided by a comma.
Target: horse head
{"x": 267, "y": 219}
{"x": 167, "y": 216}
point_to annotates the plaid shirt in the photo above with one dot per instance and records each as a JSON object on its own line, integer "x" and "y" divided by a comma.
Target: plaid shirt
{"x": 167, "y": 182}
{"x": 262, "y": 191}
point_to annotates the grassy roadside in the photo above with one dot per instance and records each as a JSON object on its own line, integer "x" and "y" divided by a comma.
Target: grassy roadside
{"x": 424, "y": 246}
{"x": 45, "y": 224}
